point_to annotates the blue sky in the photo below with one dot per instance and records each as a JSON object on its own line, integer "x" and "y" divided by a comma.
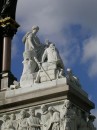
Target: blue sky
{"x": 72, "y": 26}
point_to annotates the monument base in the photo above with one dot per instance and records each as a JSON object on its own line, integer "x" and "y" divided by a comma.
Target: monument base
{"x": 7, "y": 79}
{"x": 50, "y": 91}
{"x": 51, "y": 96}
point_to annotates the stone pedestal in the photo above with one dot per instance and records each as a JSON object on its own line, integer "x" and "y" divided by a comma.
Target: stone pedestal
{"x": 48, "y": 72}
{"x": 48, "y": 75}
{"x": 27, "y": 80}
{"x": 50, "y": 95}
{"x": 7, "y": 79}
{"x": 47, "y": 92}
{"x": 1, "y": 53}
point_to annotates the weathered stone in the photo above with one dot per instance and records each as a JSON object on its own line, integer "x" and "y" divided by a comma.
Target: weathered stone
{"x": 27, "y": 80}
{"x": 33, "y": 121}
{"x": 7, "y": 79}
{"x": 45, "y": 99}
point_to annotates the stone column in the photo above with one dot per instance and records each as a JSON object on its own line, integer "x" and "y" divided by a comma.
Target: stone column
{"x": 1, "y": 54}
{"x": 1, "y": 48}
{"x": 6, "y": 54}
{"x": 9, "y": 28}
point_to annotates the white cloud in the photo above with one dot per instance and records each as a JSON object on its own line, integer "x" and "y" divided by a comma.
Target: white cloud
{"x": 52, "y": 16}
{"x": 70, "y": 51}
{"x": 90, "y": 48}
{"x": 90, "y": 54}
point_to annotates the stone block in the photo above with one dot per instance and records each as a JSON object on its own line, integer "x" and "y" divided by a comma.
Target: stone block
{"x": 27, "y": 80}
{"x": 44, "y": 66}
{"x": 48, "y": 75}
{"x": 47, "y": 92}
{"x": 46, "y": 78}
{"x": 49, "y": 65}
{"x": 52, "y": 65}
{"x": 7, "y": 80}
{"x": 49, "y": 72}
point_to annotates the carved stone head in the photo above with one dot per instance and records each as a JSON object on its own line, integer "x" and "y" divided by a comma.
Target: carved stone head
{"x": 69, "y": 72}
{"x": 47, "y": 42}
{"x": 23, "y": 114}
{"x": 52, "y": 46}
{"x": 35, "y": 29}
{"x": 32, "y": 111}
{"x": 5, "y": 117}
{"x": 79, "y": 113}
{"x": 13, "y": 116}
{"x": 44, "y": 108}
{"x": 51, "y": 109}
{"x": 67, "y": 103}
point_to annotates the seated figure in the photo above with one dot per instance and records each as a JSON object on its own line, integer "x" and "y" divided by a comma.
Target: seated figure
{"x": 51, "y": 60}
{"x": 51, "y": 55}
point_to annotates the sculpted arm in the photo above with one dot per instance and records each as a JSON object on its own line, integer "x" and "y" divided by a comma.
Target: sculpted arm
{"x": 30, "y": 41}
{"x": 25, "y": 36}
{"x": 56, "y": 117}
{"x": 44, "y": 56}
{"x": 64, "y": 114}
{"x": 24, "y": 39}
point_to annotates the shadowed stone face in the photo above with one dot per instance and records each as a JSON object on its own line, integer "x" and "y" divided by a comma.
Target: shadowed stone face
{"x": 32, "y": 112}
{"x": 44, "y": 108}
{"x": 12, "y": 117}
{"x": 5, "y": 117}
{"x": 23, "y": 114}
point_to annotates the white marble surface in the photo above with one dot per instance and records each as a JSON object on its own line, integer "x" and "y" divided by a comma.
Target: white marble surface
{"x": 42, "y": 86}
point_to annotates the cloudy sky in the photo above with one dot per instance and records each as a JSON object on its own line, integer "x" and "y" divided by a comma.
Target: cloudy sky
{"x": 72, "y": 26}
